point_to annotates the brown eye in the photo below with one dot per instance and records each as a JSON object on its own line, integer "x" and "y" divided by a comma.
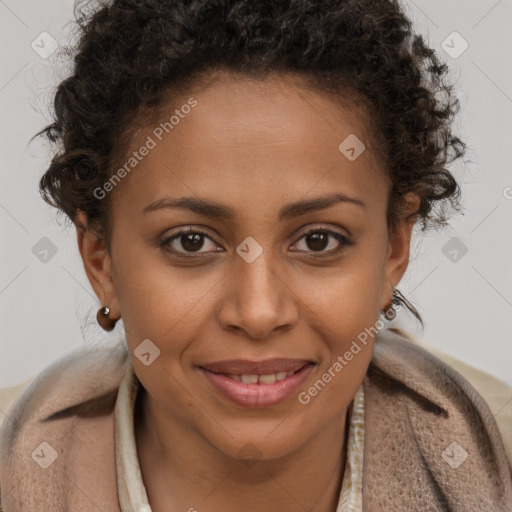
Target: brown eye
{"x": 192, "y": 241}
{"x": 187, "y": 241}
{"x": 318, "y": 240}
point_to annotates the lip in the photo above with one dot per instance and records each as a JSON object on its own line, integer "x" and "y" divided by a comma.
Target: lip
{"x": 257, "y": 395}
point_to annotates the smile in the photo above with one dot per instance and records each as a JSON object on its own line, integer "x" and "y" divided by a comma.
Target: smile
{"x": 259, "y": 389}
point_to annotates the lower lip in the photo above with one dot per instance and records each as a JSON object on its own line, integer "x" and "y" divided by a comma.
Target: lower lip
{"x": 258, "y": 395}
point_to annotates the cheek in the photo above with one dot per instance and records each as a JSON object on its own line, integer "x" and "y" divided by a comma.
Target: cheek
{"x": 347, "y": 299}
{"x": 159, "y": 301}
{"x": 346, "y": 311}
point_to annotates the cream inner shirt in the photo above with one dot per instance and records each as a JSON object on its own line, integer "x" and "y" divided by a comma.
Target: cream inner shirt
{"x": 131, "y": 490}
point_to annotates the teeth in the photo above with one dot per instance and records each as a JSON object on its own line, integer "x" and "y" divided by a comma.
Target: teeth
{"x": 262, "y": 379}
{"x": 249, "y": 379}
{"x": 267, "y": 379}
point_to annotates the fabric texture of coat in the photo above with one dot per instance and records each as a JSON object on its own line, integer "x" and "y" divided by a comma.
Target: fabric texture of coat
{"x": 432, "y": 443}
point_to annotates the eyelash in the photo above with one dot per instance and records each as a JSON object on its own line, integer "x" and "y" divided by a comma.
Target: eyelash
{"x": 344, "y": 242}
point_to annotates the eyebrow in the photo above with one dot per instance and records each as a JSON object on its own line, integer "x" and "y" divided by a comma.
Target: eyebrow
{"x": 220, "y": 211}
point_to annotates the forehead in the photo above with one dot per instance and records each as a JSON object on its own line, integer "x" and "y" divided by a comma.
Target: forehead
{"x": 235, "y": 134}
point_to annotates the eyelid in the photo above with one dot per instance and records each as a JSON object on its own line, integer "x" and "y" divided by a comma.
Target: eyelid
{"x": 324, "y": 228}
{"x": 183, "y": 231}
{"x": 344, "y": 241}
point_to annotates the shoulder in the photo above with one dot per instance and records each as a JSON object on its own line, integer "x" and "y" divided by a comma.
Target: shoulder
{"x": 420, "y": 409}
{"x": 76, "y": 394}
{"x": 477, "y": 384}
{"x": 74, "y": 384}
{"x": 8, "y": 396}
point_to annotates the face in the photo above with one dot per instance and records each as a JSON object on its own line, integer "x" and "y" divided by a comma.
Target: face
{"x": 287, "y": 256}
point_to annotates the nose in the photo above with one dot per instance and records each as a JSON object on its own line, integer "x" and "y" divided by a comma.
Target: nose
{"x": 258, "y": 300}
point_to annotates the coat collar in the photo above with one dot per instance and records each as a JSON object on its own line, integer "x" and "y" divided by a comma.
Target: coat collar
{"x": 431, "y": 442}
{"x": 424, "y": 419}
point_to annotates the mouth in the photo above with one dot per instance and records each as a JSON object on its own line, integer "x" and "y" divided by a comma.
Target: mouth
{"x": 257, "y": 384}
{"x": 265, "y": 367}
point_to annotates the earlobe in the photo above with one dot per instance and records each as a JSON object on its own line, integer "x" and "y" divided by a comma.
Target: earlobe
{"x": 97, "y": 264}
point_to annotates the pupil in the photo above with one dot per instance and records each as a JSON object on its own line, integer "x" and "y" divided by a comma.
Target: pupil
{"x": 192, "y": 242}
{"x": 319, "y": 241}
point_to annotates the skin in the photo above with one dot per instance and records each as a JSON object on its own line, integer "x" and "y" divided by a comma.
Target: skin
{"x": 254, "y": 146}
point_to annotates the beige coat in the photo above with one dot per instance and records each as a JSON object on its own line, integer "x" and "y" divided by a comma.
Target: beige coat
{"x": 431, "y": 441}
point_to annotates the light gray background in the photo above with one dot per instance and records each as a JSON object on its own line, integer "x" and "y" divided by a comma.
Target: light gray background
{"x": 47, "y": 308}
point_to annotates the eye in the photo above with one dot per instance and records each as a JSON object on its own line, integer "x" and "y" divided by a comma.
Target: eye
{"x": 318, "y": 239}
{"x": 187, "y": 241}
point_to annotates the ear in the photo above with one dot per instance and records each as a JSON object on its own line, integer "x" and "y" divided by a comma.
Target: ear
{"x": 399, "y": 246}
{"x": 97, "y": 264}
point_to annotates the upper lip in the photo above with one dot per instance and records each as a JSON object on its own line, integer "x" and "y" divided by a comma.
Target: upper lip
{"x": 263, "y": 367}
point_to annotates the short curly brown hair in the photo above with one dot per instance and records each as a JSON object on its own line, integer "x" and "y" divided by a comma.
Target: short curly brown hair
{"x": 131, "y": 55}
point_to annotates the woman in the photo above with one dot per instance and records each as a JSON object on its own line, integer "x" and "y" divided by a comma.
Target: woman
{"x": 244, "y": 178}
